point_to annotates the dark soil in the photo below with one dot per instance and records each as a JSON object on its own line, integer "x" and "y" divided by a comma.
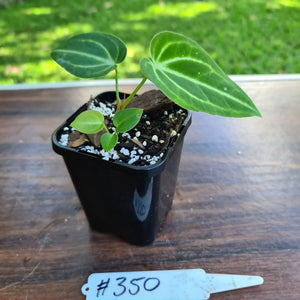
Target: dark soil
{"x": 148, "y": 141}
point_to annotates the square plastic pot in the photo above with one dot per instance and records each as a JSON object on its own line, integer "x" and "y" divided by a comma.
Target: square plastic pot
{"x": 129, "y": 201}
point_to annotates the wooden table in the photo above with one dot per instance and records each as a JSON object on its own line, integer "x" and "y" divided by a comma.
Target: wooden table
{"x": 236, "y": 208}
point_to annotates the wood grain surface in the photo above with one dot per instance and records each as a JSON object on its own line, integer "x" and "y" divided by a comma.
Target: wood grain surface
{"x": 236, "y": 208}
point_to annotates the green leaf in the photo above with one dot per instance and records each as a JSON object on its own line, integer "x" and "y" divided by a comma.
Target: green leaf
{"x": 89, "y": 121}
{"x": 126, "y": 119}
{"x": 90, "y": 54}
{"x": 186, "y": 74}
{"x": 108, "y": 141}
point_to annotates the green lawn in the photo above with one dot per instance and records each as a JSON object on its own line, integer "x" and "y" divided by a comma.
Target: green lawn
{"x": 244, "y": 36}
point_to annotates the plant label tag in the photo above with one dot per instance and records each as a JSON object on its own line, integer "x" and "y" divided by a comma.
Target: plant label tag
{"x": 188, "y": 284}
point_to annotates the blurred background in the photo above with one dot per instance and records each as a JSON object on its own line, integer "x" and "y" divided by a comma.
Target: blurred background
{"x": 243, "y": 36}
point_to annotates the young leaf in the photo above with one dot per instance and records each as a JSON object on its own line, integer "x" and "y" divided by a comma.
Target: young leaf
{"x": 90, "y": 54}
{"x": 108, "y": 141}
{"x": 185, "y": 73}
{"x": 126, "y": 119}
{"x": 89, "y": 121}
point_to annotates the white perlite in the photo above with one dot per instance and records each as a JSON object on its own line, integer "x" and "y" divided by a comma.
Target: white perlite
{"x": 124, "y": 151}
{"x": 155, "y": 138}
{"x": 64, "y": 139}
{"x": 91, "y": 149}
{"x": 113, "y": 154}
{"x": 173, "y": 133}
{"x": 133, "y": 157}
{"x": 152, "y": 159}
{"x": 132, "y": 160}
{"x": 126, "y": 135}
{"x": 103, "y": 109}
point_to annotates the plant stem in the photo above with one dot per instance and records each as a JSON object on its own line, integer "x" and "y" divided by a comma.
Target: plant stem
{"x": 126, "y": 102}
{"x": 105, "y": 128}
{"x": 117, "y": 89}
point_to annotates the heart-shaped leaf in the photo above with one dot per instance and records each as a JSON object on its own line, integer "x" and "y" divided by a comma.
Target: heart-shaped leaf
{"x": 108, "y": 141}
{"x": 89, "y": 121}
{"x": 90, "y": 54}
{"x": 126, "y": 119}
{"x": 186, "y": 74}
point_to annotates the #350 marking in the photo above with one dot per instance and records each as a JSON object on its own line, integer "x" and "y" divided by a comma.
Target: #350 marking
{"x": 133, "y": 286}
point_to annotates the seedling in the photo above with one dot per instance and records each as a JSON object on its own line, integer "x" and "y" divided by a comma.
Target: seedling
{"x": 177, "y": 65}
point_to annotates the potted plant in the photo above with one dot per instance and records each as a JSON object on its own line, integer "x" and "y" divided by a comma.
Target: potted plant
{"x": 129, "y": 195}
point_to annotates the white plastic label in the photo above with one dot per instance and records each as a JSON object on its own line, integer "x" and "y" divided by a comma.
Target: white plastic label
{"x": 193, "y": 284}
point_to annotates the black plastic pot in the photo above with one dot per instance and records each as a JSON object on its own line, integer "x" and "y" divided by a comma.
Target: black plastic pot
{"x": 129, "y": 201}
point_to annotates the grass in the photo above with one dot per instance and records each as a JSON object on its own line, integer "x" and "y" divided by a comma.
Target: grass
{"x": 244, "y": 37}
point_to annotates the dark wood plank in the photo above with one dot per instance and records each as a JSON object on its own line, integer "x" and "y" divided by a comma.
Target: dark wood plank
{"x": 236, "y": 208}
